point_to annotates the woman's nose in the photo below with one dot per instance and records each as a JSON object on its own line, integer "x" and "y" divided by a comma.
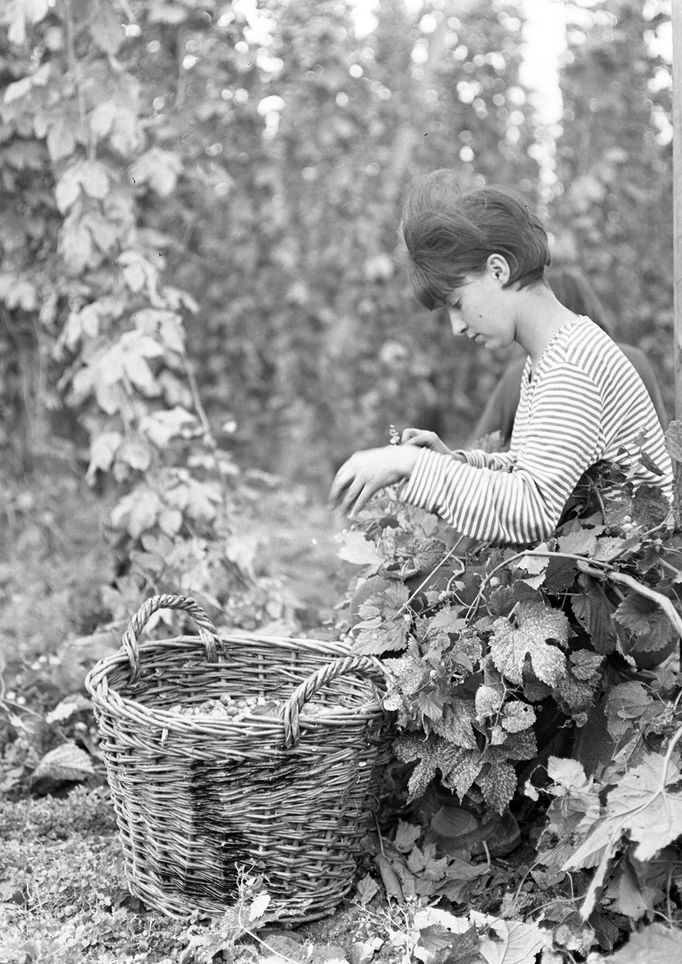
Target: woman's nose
{"x": 458, "y": 326}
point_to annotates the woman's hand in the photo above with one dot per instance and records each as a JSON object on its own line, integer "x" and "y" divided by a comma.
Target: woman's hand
{"x": 366, "y": 472}
{"x": 424, "y": 440}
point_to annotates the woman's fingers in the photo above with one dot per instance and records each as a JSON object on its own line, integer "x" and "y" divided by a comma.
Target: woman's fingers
{"x": 351, "y": 495}
{"x": 423, "y": 439}
{"x": 339, "y": 487}
{"x": 368, "y": 490}
{"x": 359, "y": 492}
{"x": 410, "y": 434}
{"x": 368, "y": 471}
{"x": 348, "y": 484}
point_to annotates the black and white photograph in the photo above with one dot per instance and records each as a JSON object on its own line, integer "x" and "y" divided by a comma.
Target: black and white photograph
{"x": 340, "y": 481}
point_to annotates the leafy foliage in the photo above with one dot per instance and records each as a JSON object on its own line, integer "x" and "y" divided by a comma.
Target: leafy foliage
{"x": 496, "y": 640}
{"x": 599, "y": 216}
{"x": 80, "y": 154}
{"x": 213, "y": 154}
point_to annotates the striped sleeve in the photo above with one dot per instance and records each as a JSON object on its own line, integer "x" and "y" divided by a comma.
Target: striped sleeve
{"x": 560, "y": 441}
{"x": 502, "y": 461}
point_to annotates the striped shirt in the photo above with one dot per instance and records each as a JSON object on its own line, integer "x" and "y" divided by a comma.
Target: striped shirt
{"x": 583, "y": 404}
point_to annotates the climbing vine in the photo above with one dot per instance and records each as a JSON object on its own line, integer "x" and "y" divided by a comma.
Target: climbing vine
{"x": 83, "y": 286}
{"x": 537, "y": 676}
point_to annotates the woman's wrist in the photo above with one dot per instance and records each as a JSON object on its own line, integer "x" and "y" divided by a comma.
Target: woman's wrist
{"x": 408, "y": 455}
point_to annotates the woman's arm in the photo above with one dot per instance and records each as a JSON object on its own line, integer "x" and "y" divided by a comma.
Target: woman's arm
{"x": 424, "y": 439}
{"x": 368, "y": 471}
{"x": 560, "y": 441}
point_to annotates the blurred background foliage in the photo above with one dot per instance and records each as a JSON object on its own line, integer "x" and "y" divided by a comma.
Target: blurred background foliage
{"x": 247, "y": 166}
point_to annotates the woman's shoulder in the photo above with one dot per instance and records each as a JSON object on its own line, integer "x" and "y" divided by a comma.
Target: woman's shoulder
{"x": 577, "y": 343}
{"x": 584, "y": 344}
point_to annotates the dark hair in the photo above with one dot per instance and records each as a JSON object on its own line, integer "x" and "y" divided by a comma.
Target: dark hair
{"x": 575, "y": 292}
{"x": 450, "y": 233}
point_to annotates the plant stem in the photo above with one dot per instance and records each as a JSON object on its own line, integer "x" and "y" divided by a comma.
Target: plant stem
{"x": 209, "y": 438}
{"x": 435, "y": 569}
{"x": 587, "y": 565}
{"x": 74, "y": 67}
{"x": 668, "y": 757}
{"x": 620, "y": 577}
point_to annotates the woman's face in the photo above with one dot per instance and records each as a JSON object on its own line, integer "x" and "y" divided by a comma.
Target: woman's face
{"x": 481, "y": 309}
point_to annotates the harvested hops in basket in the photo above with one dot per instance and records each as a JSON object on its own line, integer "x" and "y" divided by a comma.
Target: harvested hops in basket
{"x": 234, "y": 752}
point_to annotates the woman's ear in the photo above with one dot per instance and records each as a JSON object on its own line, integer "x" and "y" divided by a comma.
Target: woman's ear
{"x": 499, "y": 268}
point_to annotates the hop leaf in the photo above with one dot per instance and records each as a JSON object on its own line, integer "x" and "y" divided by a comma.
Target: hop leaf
{"x": 488, "y": 700}
{"x": 429, "y": 553}
{"x": 649, "y": 505}
{"x": 647, "y": 805}
{"x": 106, "y": 27}
{"x": 509, "y": 941}
{"x": 498, "y": 784}
{"x": 673, "y": 440}
{"x": 66, "y": 763}
{"x": 644, "y": 805}
{"x": 367, "y": 889}
{"x": 466, "y": 651}
{"x": 259, "y": 905}
{"x": 646, "y": 621}
{"x": 654, "y": 943}
{"x": 609, "y": 547}
{"x": 408, "y": 673}
{"x": 461, "y": 777}
{"x": 137, "y": 511}
{"x": 536, "y": 561}
{"x": 158, "y": 168}
{"x": 568, "y": 773}
{"x": 627, "y": 703}
{"x": 378, "y": 638}
{"x": 518, "y": 746}
{"x": 581, "y": 542}
{"x": 578, "y": 687}
{"x": 595, "y": 614}
{"x": 103, "y": 450}
{"x": 429, "y": 704}
{"x": 455, "y": 724}
{"x": 356, "y": 549}
{"x": 585, "y": 665}
{"x": 536, "y": 623}
{"x": 517, "y": 716}
{"x": 434, "y": 754}
{"x": 498, "y": 779}
{"x": 389, "y": 600}
{"x": 406, "y": 836}
{"x": 577, "y": 805}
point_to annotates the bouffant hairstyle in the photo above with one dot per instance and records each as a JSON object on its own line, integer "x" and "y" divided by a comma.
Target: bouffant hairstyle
{"x": 450, "y": 233}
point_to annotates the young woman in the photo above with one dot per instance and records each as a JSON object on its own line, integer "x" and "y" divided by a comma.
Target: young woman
{"x": 482, "y": 255}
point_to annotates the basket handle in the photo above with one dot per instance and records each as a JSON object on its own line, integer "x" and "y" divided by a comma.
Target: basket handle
{"x": 362, "y": 665}
{"x": 207, "y": 631}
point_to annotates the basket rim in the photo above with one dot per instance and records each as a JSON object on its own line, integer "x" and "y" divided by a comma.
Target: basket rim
{"x": 111, "y": 701}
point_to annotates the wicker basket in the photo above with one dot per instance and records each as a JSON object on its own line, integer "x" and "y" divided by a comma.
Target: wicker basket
{"x": 196, "y": 796}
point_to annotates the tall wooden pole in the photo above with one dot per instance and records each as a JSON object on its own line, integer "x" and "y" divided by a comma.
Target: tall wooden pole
{"x": 677, "y": 199}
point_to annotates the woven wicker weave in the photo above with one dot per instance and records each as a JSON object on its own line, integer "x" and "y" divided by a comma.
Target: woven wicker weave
{"x": 197, "y": 796}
